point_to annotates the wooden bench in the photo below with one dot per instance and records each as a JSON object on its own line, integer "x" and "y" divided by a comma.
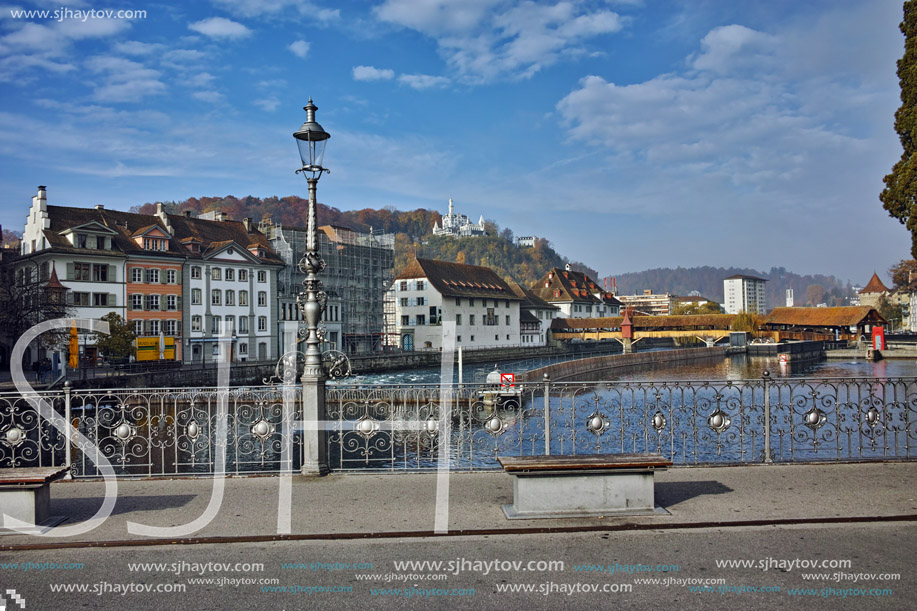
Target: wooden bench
{"x": 25, "y": 494}
{"x": 582, "y": 486}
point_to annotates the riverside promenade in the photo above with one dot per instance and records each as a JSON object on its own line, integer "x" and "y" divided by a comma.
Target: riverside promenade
{"x": 856, "y": 524}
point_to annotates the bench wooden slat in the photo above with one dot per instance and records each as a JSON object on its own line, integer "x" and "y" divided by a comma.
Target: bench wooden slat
{"x": 31, "y": 475}
{"x": 582, "y": 462}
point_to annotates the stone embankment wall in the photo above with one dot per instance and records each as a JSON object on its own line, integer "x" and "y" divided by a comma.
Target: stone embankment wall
{"x": 617, "y": 363}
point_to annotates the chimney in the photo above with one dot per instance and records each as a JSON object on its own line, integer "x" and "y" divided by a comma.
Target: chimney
{"x": 100, "y": 207}
{"x": 247, "y": 223}
{"x": 41, "y": 200}
{"x": 568, "y": 267}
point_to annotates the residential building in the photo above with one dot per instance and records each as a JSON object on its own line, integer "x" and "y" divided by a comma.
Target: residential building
{"x": 649, "y": 303}
{"x": 527, "y": 241}
{"x": 359, "y": 269}
{"x": 230, "y": 281}
{"x": 173, "y": 277}
{"x": 484, "y": 307}
{"x": 459, "y": 225}
{"x": 535, "y": 316}
{"x": 745, "y": 294}
{"x": 576, "y": 295}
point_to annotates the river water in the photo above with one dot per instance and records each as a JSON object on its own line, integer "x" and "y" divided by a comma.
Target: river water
{"x": 736, "y": 367}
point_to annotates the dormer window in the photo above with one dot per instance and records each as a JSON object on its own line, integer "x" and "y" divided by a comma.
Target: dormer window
{"x": 81, "y": 240}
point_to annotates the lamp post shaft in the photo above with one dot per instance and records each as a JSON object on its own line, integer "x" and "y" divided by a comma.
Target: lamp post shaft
{"x": 313, "y": 298}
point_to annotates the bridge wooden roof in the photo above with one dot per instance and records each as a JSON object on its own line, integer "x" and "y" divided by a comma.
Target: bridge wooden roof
{"x": 700, "y": 321}
{"x": 847, "y": 316}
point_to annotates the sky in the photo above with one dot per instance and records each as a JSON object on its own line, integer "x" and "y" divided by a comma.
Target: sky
{"x": 632, "y": 134}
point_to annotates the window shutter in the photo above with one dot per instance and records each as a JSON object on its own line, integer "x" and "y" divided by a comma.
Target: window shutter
{"x": 112, "y": 273}
{"x": 146, "y": 275}
{"x": 146, "y": 327}
{"x": 111, "y": 300}
{"x": 146, "y": 302}
{"x": 178, "y": 303}
{"x": 69, "y": 297}
{"x": 71, "y": 273}
{"x": 177, "y": 327}
{"x": 163, "y": 276}
{"x": 178, "y": 276}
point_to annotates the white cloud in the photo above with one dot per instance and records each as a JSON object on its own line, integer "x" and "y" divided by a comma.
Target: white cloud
{"x": 483, "y": 40}
{"x": 124, "y": 80}
{"x": 219, "y": 27}
{"x": 299, "y": 48}
{"x": 369, "y": 73}
{"x": 422, "y": 81}
{"x": 209, "y": 95}
{"x": 267, "y": 104}
{"x": 735, "y": 47}
{"x": 273, "y": 8}
{"x": 135, "y": 47}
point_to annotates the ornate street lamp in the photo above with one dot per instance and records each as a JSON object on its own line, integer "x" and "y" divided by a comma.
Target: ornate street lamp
{"x": 311, "y": 140}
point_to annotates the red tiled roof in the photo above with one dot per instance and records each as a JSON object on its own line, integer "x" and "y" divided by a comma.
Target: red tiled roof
{"x": 458, "y": 279}
{"x": 847, "y": 316}
{"x": 874, "y": 286}
{"x": 706, "y": 321}
{"x": 562, "y": 285}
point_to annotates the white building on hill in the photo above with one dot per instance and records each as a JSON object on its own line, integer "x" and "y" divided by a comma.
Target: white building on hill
{"x": 459, "y": 225}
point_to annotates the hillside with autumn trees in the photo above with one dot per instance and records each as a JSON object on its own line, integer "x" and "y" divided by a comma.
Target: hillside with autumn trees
{"x": 412, "y": 229}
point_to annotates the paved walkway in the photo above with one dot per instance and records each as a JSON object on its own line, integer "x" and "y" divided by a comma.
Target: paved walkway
{"x": 404, "y": 504}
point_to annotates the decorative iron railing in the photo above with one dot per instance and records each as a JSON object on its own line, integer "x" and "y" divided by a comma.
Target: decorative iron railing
{"x": 155, "y": 432}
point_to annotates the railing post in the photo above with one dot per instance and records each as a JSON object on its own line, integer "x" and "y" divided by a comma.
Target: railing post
{"x": 68, "y": 451}
{"x": 315, "y": 449}
{"x": 766, "y": 377}
{"x": 547, "y": 414}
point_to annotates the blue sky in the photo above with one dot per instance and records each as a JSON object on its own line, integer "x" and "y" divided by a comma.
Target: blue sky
{"x": 632, "y": 134}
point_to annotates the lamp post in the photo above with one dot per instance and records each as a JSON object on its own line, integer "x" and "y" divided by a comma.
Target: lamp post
{"x": 311, "y": 140}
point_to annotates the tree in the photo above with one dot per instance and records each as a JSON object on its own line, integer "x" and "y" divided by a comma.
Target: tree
{"x": 26, "y": 300}
{"x": 904, "y": 274}
{"x": 746, "y": 321}
{"x": 689, "y": 309}
{"x": 892, "y": 312}
{"x": 118, "y": 343}
{"x": 815, "y": 293}
{"x": 899, "y": 197}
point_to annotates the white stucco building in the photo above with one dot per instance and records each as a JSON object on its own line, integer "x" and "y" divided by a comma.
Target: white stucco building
{"x": 744, "y": 294}
{"x": 459, "y": 225}
{"x": 484, "y": 307}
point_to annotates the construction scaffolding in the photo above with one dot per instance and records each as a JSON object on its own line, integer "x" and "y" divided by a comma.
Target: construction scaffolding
{"x": 360, "y": 267}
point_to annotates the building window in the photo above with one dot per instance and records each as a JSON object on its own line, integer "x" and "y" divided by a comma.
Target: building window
{"x": 82, "y": 271}
{"x": 215, "y": 297}
{"x": 507, "y": 336}
{"x": 230, "y": 323}
{"x": 506, "y": 302}
{"x": 195, "y": 323}
{"x": 230, "y": 274}
{"x": 171, "y": 276}
{"x": 243, "y": 348}
{"x": 262, "y": 323}
{"x": 230, "y": 297}
{"x": 404, "y": 302}
{"x": 404, "y": 285}
{"x": 420, "y": 285}
{"x": 216, "y": 273}
{"x": 507, "y": 319}
{"x": 262, "y": 298}
{"x": 458, "y": 319}
{"x": 262, "y": 276}
{"x": 152, "y": 302}
{"x": 136, "y": 302}
{"x": 496, "y": 338}
{"x": 472, "y": 338}
{"x": 471, "y": 322}
{"x": 458, "y": 301}
{"x": 172, "y": 302}
{"x": 153, "y": 326}
{"x": 471, "y": 302}
{"x": 136, "y": 274}
{"x": 243, "y": 298}
{"x": 215, "y": 325}
{"x": 243, "y": 324}
{"x": 196, "y": 272}
{"x": 405, "y": 320}
{"x": 138, "y": 327}
{"x": 172, "y": 327}
{"x": 100, "y": 299}
{"x": 421, "y": 319}
{"x": 152, "y": 276}
{"x": 81, "y": 240}
{"x": 195, "y": 296}
{"x": 420, "y": 301}
{"x": 458, "y": 339}
{"x": 243, "y": 275}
